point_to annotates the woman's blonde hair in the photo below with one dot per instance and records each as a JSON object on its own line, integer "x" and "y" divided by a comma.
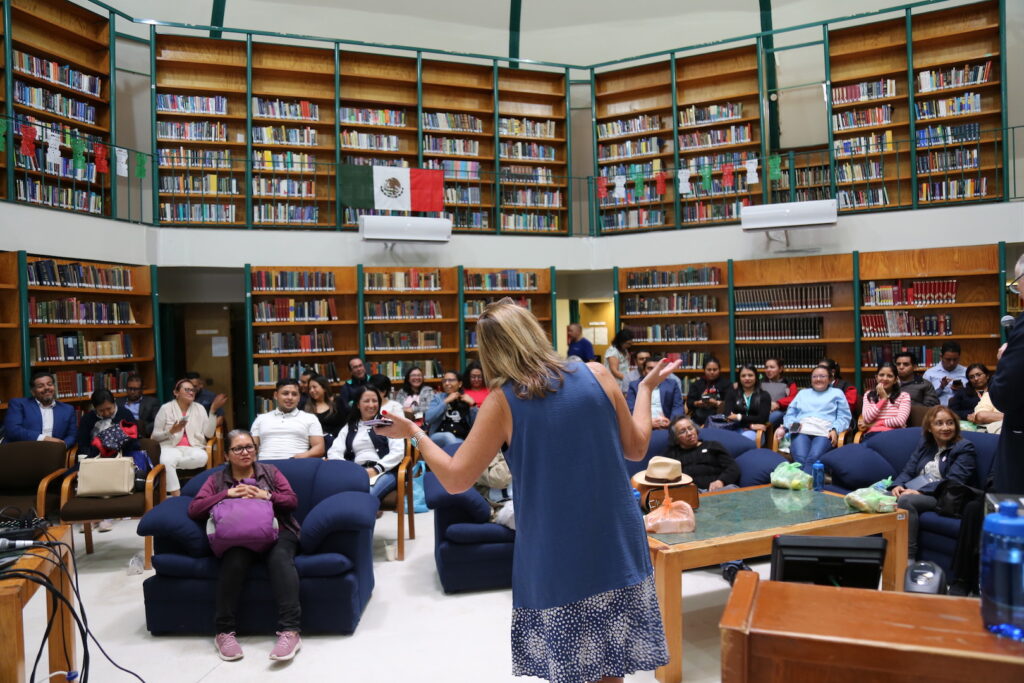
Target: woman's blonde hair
{"x": 514, "y": 348}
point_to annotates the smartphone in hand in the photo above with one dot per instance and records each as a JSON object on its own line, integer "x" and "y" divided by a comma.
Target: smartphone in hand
{"x": 379, "y": 422}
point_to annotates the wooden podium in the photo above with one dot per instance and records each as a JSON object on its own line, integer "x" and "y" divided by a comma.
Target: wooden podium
{"x": 792, "y": 632}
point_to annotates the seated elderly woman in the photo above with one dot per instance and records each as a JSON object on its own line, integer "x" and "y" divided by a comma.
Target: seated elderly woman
{"x": 245, "y": 478}
{"x": 357, "y": 441}
{"x": 942, "y": 454}
{"x": 707, "y": 462}
{"x": 815, "y": 419}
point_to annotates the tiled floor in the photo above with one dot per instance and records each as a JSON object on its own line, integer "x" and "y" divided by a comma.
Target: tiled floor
{"x": 410, "y": 630}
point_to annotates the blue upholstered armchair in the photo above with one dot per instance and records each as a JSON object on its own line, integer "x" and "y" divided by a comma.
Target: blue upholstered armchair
{"x": 858, "y": 465}
{"x": 335, "y": 560}
{"x": 472, "y": 553}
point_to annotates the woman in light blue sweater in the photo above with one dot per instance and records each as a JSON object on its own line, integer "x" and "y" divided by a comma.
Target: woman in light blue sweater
{"x": 822, "y": 413}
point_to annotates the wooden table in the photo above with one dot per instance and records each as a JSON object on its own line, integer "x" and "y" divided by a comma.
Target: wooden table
{"x": 15, "y": 594}
{"x": 670, "y": 561}
{"x": 795, "y": 632}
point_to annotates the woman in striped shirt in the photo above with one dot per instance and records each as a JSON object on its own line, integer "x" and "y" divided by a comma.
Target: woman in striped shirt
{"x": 885, "y": 407}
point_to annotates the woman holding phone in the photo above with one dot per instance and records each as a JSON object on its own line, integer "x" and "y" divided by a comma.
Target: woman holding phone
{"x": 182, "y": 427}
{"x": 588, "y": 612}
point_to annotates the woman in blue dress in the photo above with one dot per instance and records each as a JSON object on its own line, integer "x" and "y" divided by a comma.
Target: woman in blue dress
{"x": 584, "y": 603}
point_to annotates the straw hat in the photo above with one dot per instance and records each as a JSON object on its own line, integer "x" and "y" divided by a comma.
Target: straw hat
{"x": 663, "y": 471}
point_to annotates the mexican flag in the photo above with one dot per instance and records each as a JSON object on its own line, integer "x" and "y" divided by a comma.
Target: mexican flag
{"x": 389, "y": 188}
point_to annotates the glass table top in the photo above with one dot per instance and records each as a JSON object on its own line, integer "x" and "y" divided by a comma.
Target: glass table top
{"x": 758, "y": 509}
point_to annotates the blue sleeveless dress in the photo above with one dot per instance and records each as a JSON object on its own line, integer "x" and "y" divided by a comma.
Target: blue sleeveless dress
{"x": 583, "y": 597}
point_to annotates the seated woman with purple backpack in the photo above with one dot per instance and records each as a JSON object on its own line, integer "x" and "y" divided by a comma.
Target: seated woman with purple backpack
{"x": 245, "y": 479}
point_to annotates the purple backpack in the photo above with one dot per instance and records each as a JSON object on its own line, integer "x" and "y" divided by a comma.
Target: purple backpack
{"x": 242, "y": 522}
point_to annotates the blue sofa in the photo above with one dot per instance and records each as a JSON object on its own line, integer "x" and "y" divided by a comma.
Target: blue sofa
{"x": 857, "y": 465}
{"x": 335, "y": 561}
{"x": 472, "y": 553}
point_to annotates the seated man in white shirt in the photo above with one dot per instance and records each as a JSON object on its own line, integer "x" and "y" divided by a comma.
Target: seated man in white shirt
{"x": 948, "y": 376}
{"x": 287, "y": 432}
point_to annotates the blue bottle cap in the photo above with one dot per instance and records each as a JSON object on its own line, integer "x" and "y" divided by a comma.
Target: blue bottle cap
{"x": 1006, "y": 521}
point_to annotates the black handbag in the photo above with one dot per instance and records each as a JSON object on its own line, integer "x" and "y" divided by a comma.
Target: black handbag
{"x": 953, "y": 497}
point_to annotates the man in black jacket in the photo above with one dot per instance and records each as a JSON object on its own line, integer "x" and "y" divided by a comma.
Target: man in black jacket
{"x": 711, "y": 466}
{"x": 142, "y": 407}
{"x": 1005, "y": 390}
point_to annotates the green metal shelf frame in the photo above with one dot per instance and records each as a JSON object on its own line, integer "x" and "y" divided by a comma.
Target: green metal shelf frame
{"x": 9, "y": 100}
{"x": 460, "y": 302}
{"x": 250, "y": 381}
{"x": 360, "y": 306}
{"x": 26, "y": 364}
{"x": 731, "y": 292}
{"x": 1003, "y": 279}
{"x": 554, "y": 306}
{"x": 856, "y": 322}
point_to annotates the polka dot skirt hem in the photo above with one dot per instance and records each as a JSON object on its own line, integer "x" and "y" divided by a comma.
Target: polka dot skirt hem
{"x": 614, "y": 633}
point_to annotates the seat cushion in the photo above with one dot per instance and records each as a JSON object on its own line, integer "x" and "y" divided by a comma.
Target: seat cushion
{"x": 857, "y": 465}
{"x": 80, "y": 509}
{"x": 734, "y": 442}
{"x": 185, "y": 567}
{"x": 488, "y": 532}
{"x": 937, "y": 524}
{"x": 756, "y": 465}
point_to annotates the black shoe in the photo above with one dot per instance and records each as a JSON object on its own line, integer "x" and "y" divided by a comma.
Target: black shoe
{"x": 729, "y": 570}
{"x": 959, "y": 588}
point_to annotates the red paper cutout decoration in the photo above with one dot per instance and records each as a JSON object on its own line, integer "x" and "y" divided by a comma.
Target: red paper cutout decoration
{"x": 727, "y": 175}
{"x": 99, "y": 152}
{"x": 602, "y": 188}
{"x": 659, "y": 182}
{"x": 28, "y": 140}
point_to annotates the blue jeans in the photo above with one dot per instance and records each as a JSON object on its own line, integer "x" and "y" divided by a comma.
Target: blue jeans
{"x": 808, "y": 450}
{"x": 775, "y": 417}
{"x": 443, "y": 439}
{"x": 385, "y": 484}
{"x": 750, "y": 434}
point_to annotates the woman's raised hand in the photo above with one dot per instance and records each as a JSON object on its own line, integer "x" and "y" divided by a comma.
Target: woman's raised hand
{"x": 401, "y": 427}
{"x": 661, "y": 371}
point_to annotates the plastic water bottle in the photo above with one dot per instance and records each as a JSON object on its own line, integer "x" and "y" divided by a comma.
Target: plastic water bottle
{"x": 818, "y": 475}
{"x": 136, "y": 564}
{"x": 636, "y": 497}
{"x": 1002, "y": 572}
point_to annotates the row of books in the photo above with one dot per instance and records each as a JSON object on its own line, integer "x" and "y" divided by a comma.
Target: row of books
{"x": 937, "y": 136}
{"x": 188, "y": 212}
{"x": 526, "y": 174}
{"x": 299, "y": 280}
{"x": 530, "y": 197}
{"x": 54, "y": 102}
{"x": 690, "y": 360}
{"x": 962, "y": 105}
{"x": 712, "y": 113}
{"x": 372, "y": 117}
{"x": 533, "y": 222}
{"x": 796, "y": 356}
{"x": 453, "y": 121}
{"x": 956, "y": 159}
{"x": 282, "y": 187}
{"x": 876, "y": 143}
{"x": 644, "y": 194}
{"x": 266, "y": 160}
{"x": 886, "y": 353}
{"x": 205, "y": 131}
{"x": 476, "y": 220}
{"x": 414, "y": 278}
{"x": 905, "y": 324}
{"x": 470, "y": 339}
{"x": 191, "y": 104}
{"x": 719, "y": 186}
{"x": 295, "y": 342}
{"x": 285, "y": 213}
{"x": 36, "y": 191}
{"x": 646, "y": 279}
{"x": 353, "y": 160}
{"x": 859, "y": 171}
{"x": 396, "y": 369}
{"x": 55, "y": 72}
{"x": 49, "y": 273}
{"x": 47, "y": 348}
{"x": 65, "y": 167}
{"x": 861, "y": 118}
{"x": 782, "y": 298}
{"x": 632, "y": 218}
{"x": 183, "y": 157}
{"x": 953, "y": 188}
{"x": 915, "y": 293}
{"x": 813, "y": 175}
{"x": 460, "y": 146}
{"x": 527, "y": 127}
{"x": 74, "y": 311}
{"x": 715, "y": 137}
{"x": 669, "y": 305}
{"x": 404, "y": 340}
{"x": 954, "y": 77}
{"x": 398, "y": 309}
{"x": 462, "y": 194}
{"x": 280, "y": 135}
{"x": 862, "y": 199}
{"x": 353, "y": 139}
{"x": 864, "y": 91}
{"x": 71, "y": 384}
{"x": 716, "y": 161}
{"x": 783, "y": 328}
{"x": 301, "y": 110}
{"x": 692, "y": 330}
{"x": 503, "y": 279}
{"x": 638, "y": 124}
{"x": 209, "y": 183}
{"x": 454, "y": 169}
{"x": 630, "y": 148}
{"x": 267, "y": 374}
{"x": 283, "y": 309}
{"x": 67, "y": 132}
{"x": 527, "y": 150}
{"x": 472, "y": 308}
{"x": 701, "y": 212}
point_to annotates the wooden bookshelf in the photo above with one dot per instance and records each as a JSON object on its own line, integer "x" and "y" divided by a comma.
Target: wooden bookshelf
{"x": 112, "y": 350}
{"x": 798, "y": 308}
{"x": 201, "y": 153}
{"x": 458, "y": 136}
{"x": 3, "y": 113}
{"x": 807, "y": 173}
{"x": 533, "y": 154}
{"x": 421, "y": 302}
{"x": 719, "y": 127}
{"x": 293, "y": 116}
{"x": 957, "y": 80}
{"x": 972, "y": 307}
{"x": 377, "y": 113}
{"x": 11, "y": 378}
{"x": 47, "y": 35}
{"x": 694, "y": 297}
{"x": 634, "y": 141}
{"x": 531, "y": 288}
{"x": 279, "y": 296}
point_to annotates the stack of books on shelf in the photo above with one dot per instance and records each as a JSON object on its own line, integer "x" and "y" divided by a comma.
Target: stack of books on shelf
{"x": 372, "y": 117}
{"x": 183, "y": 158}
{"x": 886, "y": 353}
{"x": 958, "y": 159}
{"x": 640, "y": 124}
{"x": 55, "y": 72}
{"x": 795, "y": 357}
{"x": 961, "y": 105}
{"x": 716, "y": 137}
{"x": 315, "y": 341}
{"x": 644, "y": 279}
{"x": 301, "y": 110}
{"x": 675, "y": 332}
{"x": 959, "y": 188}
{"x": 905, "y": 324}
{"x": 690, "y": 360}
{"x": 412, "y": 279}
{"x": 268, "y": 373}
{"x": 864, "y": 91}
{"x": 472, "y": 308}
{"x": 77, "y": 311}
{"x": 47, "y": 348}
{"x": 674, "y": 303}
{"x": 782, "y": 298}
{"x": 914, "y": 293}
{"x": 280, "y": 135}
{"x": 395, "y": 309}
{"x": 939, "y": 136}
{"x": 354, "y": 139}
{"x": 757, "y": 329}
{"x": 396, "y": 369}
{"x": 933, "y": 80}
{"x": 505, "y": 279}
{"x": 452, "y": 121}
{"x": 171, "y": 103}
{"x": 295, "y": 280}
{"x": 528, "y": 128}
{"x": 282, "y": 309}
{"x": 208, "y": 184}
{"x": 71, "y": 384}
{"x": 48, "y": 273}
{"x": 404, "y": 340}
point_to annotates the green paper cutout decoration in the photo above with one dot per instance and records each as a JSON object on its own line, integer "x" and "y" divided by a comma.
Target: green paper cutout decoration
{"x": 705, "y": 177}
{"x": 638, "y": 184}
{"x": 3, "y": 134}
{"x": 78, "y": 153}
{"x": 775, "y": 167}
{"x": 140, "y": 165}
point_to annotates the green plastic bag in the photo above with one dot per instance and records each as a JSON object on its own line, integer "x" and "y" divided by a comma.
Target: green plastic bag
{"x": 874, "y": 498}
{"x": 788, "y": 475}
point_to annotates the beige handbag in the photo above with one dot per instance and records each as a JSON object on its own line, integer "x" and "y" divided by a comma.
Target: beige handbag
{"x": 106, "y": 477}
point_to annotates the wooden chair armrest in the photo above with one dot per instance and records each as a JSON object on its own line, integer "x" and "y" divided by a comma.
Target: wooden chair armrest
{"x": 72, "y": 456}
{"x": 857, "y": 437}
{"x": 44, "y": 486}
{"x": 759, "y": 436}
{"x": 65, "y": 488}
{"x": 157, "y": 471}
{"x": 841, "y": 441}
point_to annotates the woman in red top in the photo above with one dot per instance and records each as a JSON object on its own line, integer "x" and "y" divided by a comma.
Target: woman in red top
{"x": 885, "y": 406}
{"x": 473, "y": 383}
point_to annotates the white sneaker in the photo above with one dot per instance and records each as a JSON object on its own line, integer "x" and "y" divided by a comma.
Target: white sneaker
{"x": 105, "y": 525}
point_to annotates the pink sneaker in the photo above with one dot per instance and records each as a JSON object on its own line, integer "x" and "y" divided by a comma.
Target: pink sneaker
{"x": 228, "y": 648}
{"x": 288, "y": 643}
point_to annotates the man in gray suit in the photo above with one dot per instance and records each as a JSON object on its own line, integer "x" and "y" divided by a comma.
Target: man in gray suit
{"x": 142, "y": 406}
